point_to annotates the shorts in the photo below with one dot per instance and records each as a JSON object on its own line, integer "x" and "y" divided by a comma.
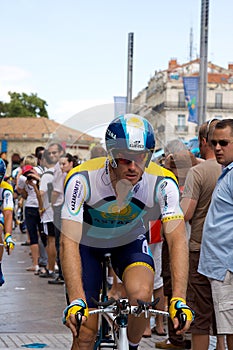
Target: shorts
{"x": 49, "y": 229}
{"x": 33, "y": 223}
{"x": 136, "y": 252}
{"x": 222, "y": 292}
{"x": 199, "y": 298}
{"x": 156, "y": 250}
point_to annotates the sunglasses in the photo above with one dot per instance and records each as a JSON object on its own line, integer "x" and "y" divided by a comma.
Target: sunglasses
{"x": 222, "y": 143}
{"x": 127, "y": 158}
{"x": 54, "y": 152}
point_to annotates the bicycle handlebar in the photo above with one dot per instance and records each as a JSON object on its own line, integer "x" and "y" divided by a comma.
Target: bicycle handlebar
{"x": 121, "y": 306}
{"x": 106, "y": 303}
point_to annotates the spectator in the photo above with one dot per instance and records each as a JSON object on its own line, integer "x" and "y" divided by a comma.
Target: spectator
{"x": 67, "y": 162}
{"x": 216, "y": 261}
{"x": 39, "y": 154}
{"x": 46, "y": 213}
{"x": 55, "y": 151}
{"x": 178, "y": 160}
{"x": 98, "y": 151}
{"x": 27, "y": 186}
{"x": 198, "y": 189}
{"x": 3, "y": 155}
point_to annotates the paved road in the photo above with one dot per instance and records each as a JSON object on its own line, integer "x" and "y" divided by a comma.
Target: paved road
{"x": 31, "y": 309}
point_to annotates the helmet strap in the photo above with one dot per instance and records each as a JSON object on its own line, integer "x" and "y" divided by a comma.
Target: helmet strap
{"x": 113, "y": 162}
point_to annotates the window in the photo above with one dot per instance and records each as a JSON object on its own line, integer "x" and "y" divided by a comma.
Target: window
{"x": 181, "y": 99}
{"x": 181, "y": 127}
{"x": 181, "y": 120}
{"x": 218, "y": 100}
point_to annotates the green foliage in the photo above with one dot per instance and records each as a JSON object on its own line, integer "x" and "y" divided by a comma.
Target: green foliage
{"x": 23, "y": 105}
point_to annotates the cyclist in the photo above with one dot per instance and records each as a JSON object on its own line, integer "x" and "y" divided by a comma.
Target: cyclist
{"x": 107, "y": 201}
{"x": 6, "y": 216}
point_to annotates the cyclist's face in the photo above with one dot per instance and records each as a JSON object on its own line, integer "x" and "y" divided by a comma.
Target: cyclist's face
{"x": 130, "y": 166}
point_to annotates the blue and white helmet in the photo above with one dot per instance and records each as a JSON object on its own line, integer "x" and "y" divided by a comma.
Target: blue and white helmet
{"x": 2, "y": 169}
{"x": 129, "y": 132}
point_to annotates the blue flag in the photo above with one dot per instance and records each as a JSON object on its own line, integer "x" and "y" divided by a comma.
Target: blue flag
{"x": 120, "y": 103}
{"x": 191, "y": 97}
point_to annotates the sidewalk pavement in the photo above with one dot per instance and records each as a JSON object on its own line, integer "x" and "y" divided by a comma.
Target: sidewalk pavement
{"x": 31, "y": 309}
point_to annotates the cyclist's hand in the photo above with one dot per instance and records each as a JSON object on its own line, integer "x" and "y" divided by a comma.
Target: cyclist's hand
{"x": 69, "y": 319}
{"x": 9, "y": 243}
{"x": 181, "y": 314}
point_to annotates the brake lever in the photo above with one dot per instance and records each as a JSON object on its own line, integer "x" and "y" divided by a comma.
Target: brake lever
{"x": 182, "y": 318}
{"x": 78, "y": 317}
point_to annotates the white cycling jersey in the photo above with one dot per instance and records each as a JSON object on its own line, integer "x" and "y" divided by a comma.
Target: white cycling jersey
{"x": 91, "y": 200}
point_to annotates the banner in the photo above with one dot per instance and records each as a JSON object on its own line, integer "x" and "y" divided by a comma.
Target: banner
{"x": 120, "y": 103}
{"x": 191, "y": 97}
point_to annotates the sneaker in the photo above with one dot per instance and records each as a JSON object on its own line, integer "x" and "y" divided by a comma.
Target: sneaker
{"x": 57, "y": 280}
{"x": 2, "y": 281}
{"x": 56, "y": 268}
{"x": 32, "y": 268}
{"x": 167, "y": 345}
{"x": 47, "y": 274}
{"x": 25, "y": 243}
{"x": 41, "y": 269}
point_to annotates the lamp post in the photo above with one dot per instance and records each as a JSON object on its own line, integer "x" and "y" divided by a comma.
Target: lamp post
{"x": 203, "y": 73}
{"x": 130, "y": 71}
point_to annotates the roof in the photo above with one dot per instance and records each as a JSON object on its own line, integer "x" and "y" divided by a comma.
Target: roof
{"x": 40, "y": 128}
{"x": 216, "y": 74}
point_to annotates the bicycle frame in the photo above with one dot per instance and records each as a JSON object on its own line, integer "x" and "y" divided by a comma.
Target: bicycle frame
{"x": 103, "y": 339}
{"x": 116, "y": 312}
{"x": 113, "y": 316}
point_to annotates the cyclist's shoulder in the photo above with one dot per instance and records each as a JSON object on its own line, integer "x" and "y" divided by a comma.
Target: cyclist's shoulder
{"x": 6, "y": 186}
{"x": 159, "y": 171}
{"x": 88, "y": 166}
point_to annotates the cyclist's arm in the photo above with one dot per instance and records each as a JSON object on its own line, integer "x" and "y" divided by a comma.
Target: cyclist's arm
{"x": 72, "y": 266}
{"x": 178, "y": 251}
{"x": 8, "y": 219}
{"x": 179, "y": 263}
{"x": 7, "y": 211}
{"x": 71, "y": 232}
{"x": 175, "y": 232}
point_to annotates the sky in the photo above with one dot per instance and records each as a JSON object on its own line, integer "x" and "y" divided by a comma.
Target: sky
{"x": 73, "y": 54}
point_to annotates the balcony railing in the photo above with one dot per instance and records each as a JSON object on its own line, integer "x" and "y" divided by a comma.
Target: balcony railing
{"x": 181, "y": 129}
{"x": 182, "y": 105}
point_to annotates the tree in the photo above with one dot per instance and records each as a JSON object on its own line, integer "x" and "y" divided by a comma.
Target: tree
{"x": 23, "y": 105}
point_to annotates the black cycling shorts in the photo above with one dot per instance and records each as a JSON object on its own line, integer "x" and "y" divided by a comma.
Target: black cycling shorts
{"x": 134, "y": 253}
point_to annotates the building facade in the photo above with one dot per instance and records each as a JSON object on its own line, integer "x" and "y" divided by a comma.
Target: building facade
{"x": 163, "y": 103}
{"x": 20, "y": 137}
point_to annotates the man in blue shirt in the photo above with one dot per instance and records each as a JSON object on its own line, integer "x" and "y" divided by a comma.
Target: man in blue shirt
{"x": 216, "y": 258}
